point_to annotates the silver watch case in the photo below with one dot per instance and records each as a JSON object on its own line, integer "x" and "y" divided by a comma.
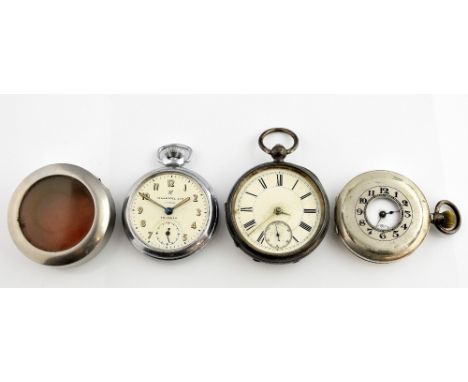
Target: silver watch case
{"x": 96, "y": 238}
{"x": 265, "y": 257}
{"x": 190, "y": 249}
{"x": 362, "y": 245}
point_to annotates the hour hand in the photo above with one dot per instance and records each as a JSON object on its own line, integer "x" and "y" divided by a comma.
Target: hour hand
{"x": 280, "y": 211}
{"x": 147, "y": 197}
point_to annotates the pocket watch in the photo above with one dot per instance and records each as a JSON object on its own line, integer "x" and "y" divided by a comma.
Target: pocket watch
{"x": 382, "y": 216}
{"x": 61, "y": 214}
{"x": 278, "y": 212}
{"x": 171, "y": 212}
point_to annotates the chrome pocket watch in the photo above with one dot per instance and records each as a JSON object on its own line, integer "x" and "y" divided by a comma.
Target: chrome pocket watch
{"x": 278, "y": 212}
{"x": 171, "y": 212}
{"x": 382, "y": 216}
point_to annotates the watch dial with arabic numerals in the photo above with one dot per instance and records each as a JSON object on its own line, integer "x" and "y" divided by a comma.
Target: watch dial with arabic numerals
{"x": 169, "y": 211}
{"x": 383, "y": 213}
{"x": 278, "y": 211}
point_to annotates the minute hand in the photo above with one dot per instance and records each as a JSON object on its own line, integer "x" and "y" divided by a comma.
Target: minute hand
{"x": 261, "y": 225}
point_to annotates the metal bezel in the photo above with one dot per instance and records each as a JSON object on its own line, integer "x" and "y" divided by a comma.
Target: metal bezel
{"x": 192, "y": 248}
{"x": 98, "y": 235}
{"x": 380, "y": 251}
{"x": 261, "y": 256}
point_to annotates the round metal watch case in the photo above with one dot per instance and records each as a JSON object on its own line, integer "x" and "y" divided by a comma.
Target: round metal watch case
{"x": 368, "y": 245}
{"x": 265, "y": 257}
{"x": 190, "y": 249}
{"x": 48, "y": 212}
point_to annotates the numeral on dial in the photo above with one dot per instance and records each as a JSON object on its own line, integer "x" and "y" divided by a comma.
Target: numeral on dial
{"x": 279, "y": 180}
{"x": 249, "y": 225}
{"x": 310, "y": 210}
{"x": 261, "y": 238}
{"x": 305, "y": 226}
{"x": 262, "y": 182}
{"x": 247, "y": 209}
{"x": 306, "y": 195}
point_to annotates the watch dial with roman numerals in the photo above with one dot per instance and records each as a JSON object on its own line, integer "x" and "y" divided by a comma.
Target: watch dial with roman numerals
{"x": 277, "y": 210}
{"x": 169, "y": 211}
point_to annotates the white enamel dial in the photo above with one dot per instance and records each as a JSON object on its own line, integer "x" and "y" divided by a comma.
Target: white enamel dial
{"x": 384, "y": 213}
{"x": 169, "y": 211}
{"x": 278, "y": 211}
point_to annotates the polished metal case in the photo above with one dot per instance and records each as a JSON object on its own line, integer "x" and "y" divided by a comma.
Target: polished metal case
{"x": 278, "y": 153}
{"x": 292, "y": 257}
{"x": 378, "y": 251}
{"x": 173, "y": 166}
{"x": 98, "y": 235}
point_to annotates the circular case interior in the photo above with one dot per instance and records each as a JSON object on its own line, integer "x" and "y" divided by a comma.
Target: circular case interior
{"x": 61, "y": 214}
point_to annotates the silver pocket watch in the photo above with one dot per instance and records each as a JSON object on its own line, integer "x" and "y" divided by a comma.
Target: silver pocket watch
{"x": 171, "y": 212}
{"x": 278, "y": 212}
{"x": 382, "y": 216}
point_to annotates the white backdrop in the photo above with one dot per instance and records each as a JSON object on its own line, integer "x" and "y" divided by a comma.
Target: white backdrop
{"x": 115, "y": 137}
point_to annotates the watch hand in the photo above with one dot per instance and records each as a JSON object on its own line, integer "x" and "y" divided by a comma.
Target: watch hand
{"x": 277, "y": 233}
{"x": 264, "y": 222}
{"x": 277, "y": 211}
{"x": 182, "y": 202}
{"x": 146, "y": 197}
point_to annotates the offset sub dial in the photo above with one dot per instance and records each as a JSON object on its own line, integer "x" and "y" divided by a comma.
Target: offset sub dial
{"x": 168, "y": 233}
{"x": 282, "y": 196}
{"x": 169, "y": 211}
{"x": 384, "y": 213}
{"x": 278, "y": 235}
